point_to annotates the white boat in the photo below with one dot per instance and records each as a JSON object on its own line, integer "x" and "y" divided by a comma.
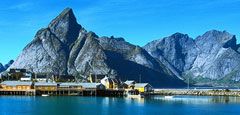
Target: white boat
{"x": 45, "y": 95}
{"x": 168, "y": 97}
{"x": 135, "y": 96}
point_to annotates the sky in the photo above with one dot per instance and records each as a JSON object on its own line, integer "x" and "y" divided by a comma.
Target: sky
{"x": 137, "y": 21}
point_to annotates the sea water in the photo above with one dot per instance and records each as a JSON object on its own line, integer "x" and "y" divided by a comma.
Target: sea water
{"x": 153, "y": 105}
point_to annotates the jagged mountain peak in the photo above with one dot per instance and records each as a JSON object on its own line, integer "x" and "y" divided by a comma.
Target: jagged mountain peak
{"x": 213, "y": 31}
{"x": 179, "y": 35}
{"x": 65, "y": 27}
{"x": 1, "y": 66}
{"x": 218, "y": 39}
{"x": 66, "y": 15}
{"x": 216, "y": 36}
{"x": 5, "y": 67}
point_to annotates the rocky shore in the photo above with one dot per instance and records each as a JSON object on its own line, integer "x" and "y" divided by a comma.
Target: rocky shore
{"x": 198, "y": 92}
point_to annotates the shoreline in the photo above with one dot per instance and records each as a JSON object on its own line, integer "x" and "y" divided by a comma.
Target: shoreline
{"x": 197, "y": 92}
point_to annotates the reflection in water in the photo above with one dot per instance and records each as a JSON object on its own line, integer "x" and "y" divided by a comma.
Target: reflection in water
{"x": 119, "y": 106}
{"x": 105, "y": 101}
{"x": 198, "y": 99}
{"x": 138, "y": 101}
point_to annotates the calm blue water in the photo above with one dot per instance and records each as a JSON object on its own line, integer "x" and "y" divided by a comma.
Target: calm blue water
{"x": 155, "y": 105}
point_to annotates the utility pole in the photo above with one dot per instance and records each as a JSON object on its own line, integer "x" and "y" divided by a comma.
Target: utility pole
{"x": 140, "y": 79}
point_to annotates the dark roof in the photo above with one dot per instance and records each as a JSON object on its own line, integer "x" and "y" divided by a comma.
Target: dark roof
{"x": 15, "y": 70}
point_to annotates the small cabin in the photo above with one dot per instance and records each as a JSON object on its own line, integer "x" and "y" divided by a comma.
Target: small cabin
{"x": 143, "y": 87}
{"x": 27, "y": 77}
{"x": 129, "y": 84}
{"x": 40, "y": 78}
{"x": 16, "y": 85}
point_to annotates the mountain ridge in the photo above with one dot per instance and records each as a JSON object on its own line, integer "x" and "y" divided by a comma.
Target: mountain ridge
{"x": 211, "y": 56}
{"x": 6, "y": 66}
{"x": 64, "y": 47}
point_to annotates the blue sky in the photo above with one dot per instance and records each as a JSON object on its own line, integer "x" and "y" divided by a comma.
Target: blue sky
{"x": 138, "y": 21}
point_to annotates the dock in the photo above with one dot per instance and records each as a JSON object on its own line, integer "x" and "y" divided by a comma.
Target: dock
{"x": 18, "y": 92}
{"x": 61, "y": 92}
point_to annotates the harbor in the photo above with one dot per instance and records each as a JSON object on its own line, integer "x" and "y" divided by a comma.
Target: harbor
{"x": 22, "y": 82}
{"x": 61, "y": 89}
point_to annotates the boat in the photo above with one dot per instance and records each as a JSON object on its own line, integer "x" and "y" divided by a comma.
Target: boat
{"x": 45, "y": 95}
{"x": 135, "y": 96}
{"x": 168, "y": 97}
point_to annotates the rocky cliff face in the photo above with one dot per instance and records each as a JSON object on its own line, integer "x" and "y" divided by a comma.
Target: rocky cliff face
{"x": 66, "y": 48}
{"x": 209, "y": 59}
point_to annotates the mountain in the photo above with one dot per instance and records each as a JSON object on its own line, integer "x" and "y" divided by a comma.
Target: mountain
{"x": 1, "y": 67}
{"x": 210, "y": 59}
{"x": 65, "y": 48}
{"x": 6, "y": 66}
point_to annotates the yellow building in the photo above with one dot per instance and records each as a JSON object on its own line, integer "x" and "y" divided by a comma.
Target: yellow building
{"x": 46, "y": 86}
{"x": 143, "y": 87}
{"x": 16, "y": 85}
{"x": 110, "y": 83}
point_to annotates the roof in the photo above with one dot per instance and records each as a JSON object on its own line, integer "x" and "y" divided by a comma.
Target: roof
{"x": 129, "y": 82}
{"x": 89, "y": 85}
{"x": 110, "y": 80}
{"x": 25, "y": 78}
{"x": 138, "y": 85}
{"x": 15, "y": 83}
{"x": 45, "y": 84}
{"x": 66, "y": 84}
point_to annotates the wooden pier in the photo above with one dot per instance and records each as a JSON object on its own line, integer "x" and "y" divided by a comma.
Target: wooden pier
{"x": 65, "y": 92}
{"x": 30, "y": 92}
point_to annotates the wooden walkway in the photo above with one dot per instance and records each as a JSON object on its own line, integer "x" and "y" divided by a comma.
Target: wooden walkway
{"x": 64, "y": 92}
